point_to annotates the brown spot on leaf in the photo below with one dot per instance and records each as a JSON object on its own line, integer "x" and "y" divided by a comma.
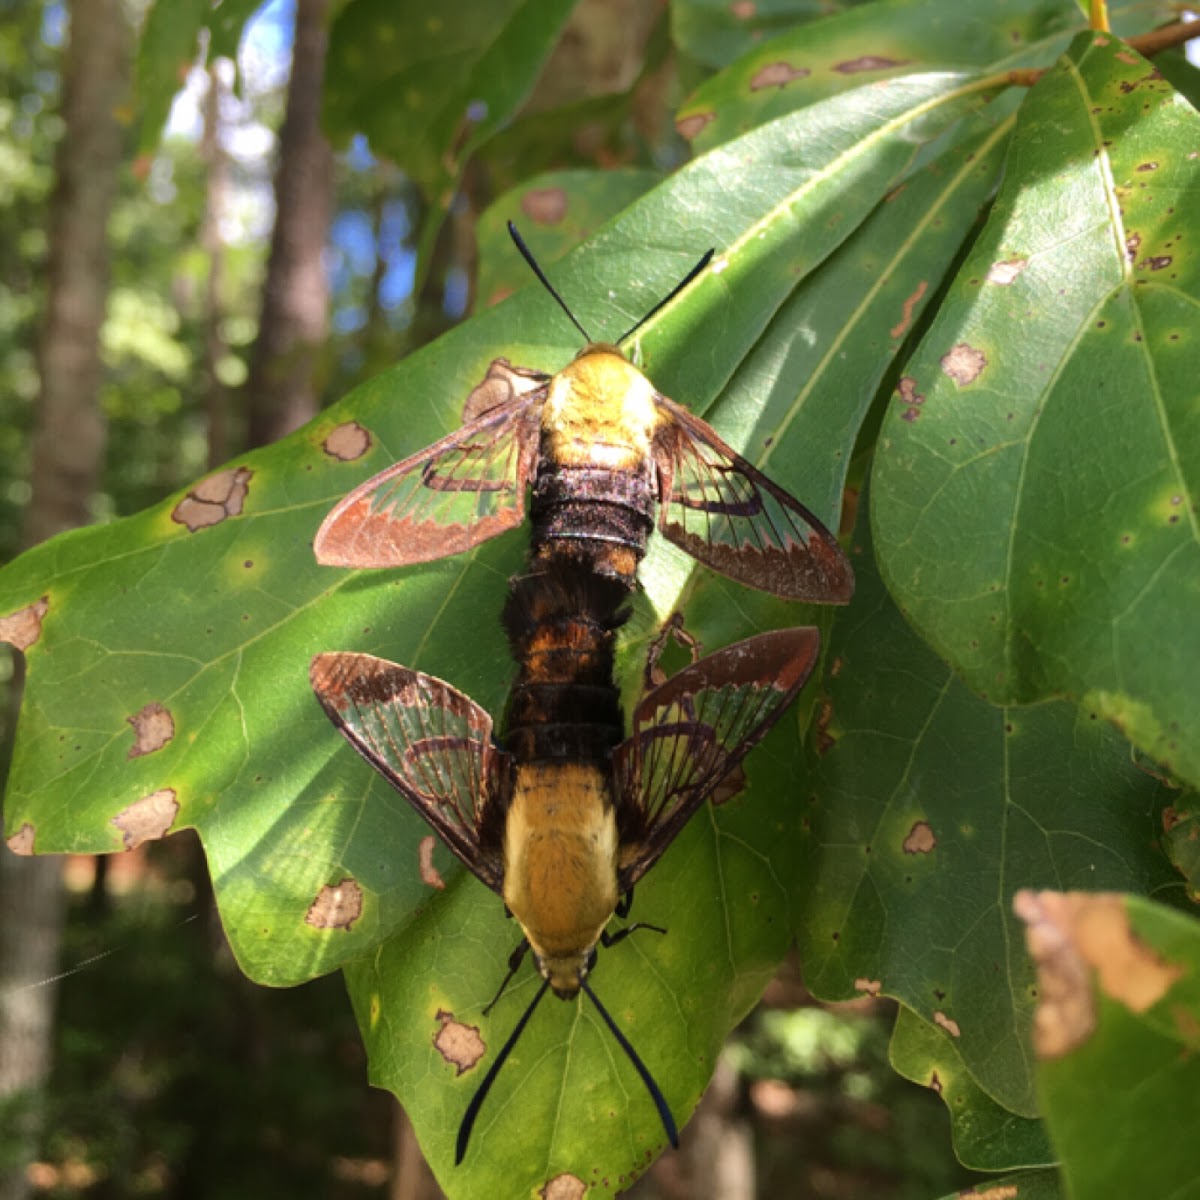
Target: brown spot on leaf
{"x": 1187, "y": 1024}
{"x": 347, "y": 442}
{"x": 23, "y": 627}
{"x": 148, "y": 818}
{"x": 690, "y": 127}
{"x": 743, "y": 9}
{"x": 429, "y": 873}
{"x": 546, "y": 206}
{"x": 921, "y": 839}
{"x": 870, "y": 987}
{"x": 22, "y": 841}
{"x": 1132, "y": 242}
{"x": 964, "y": 363}
{"x": 907, "y": 387}
{"x": 825, "y": 740}
{"x": 337, "y": 906}
{"x": 776, "y": 74}
{"x": 1002, "y": 1191}
{"x": 935, "y": 1082}
{"x": 1070, "y": 935}
{"x": 944, "y": 1022}
{"x": 868, "y": 62}
{"x": 563, "y": 1187}
{"x": 1006, "y": 271}
{"x": 213, "y": 499}
{"x": 901, "y": 326}
{"x": 153, "y": 728}
{"x": 1127, "y": 56}
{"x": 1147, "y": 166}
{"x": 460, "y": 1045}
{"x": 1157, "y": 263}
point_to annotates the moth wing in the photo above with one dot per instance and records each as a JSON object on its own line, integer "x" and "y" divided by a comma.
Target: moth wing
{"x": 430, "y": 742}
{"x": 691, "y": 732}
{"x": 443, "y": 500}
{"x": 728, "y": 515}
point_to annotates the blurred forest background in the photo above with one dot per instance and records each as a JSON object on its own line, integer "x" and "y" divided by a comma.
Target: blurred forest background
{"x": 167, "y": 302}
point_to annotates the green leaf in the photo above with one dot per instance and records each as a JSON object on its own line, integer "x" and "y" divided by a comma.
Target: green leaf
{"x": 1036, "y": 492}
{"x": 166, "y": 51}
{"x": 555, "y": 212}
{"x": 168, "y": 47}
{"x": 428, "y": 86}
{"x": 1119, "y": 1032}
{"x": 928, "y": 808}
{"x": 987, "y": 1137}
{"x": 1181, "y": 825}
{"x": 209, "y": 608}
{"x": 716, "y": 32}
{"x": 868, "y": 43}
{"x": 226, "y": 23}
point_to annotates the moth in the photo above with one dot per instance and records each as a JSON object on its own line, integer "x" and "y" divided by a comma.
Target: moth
{"x": 563, "y": 812}
{"x": 600, "y": 451}
{"x": 563, "y": 829}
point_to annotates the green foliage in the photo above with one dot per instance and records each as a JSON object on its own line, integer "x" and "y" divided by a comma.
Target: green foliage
{"x": 1124, "y": 1020}
{"x": 1017, "y": 380}
{"x": 1030, "y": 588}
{"x": 427, "y": 88}
{"x": 168, "y": 46}
{"x": 209, "y": 1083}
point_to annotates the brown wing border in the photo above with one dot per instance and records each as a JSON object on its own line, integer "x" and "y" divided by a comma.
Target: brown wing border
{"x": 355, "y": 534}
{"x": 780, "y": 661}
{"x": 804, "y": 562}
{"x": 472, "y": 827}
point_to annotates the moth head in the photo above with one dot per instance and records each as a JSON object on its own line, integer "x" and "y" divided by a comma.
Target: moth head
{"x": 565, "y": 973}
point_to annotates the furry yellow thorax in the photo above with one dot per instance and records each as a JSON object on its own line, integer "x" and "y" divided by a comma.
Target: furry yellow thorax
{"x": 599, "y": 412}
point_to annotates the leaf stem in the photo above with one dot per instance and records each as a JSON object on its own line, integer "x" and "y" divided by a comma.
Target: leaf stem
{"x": 1151, "y": 43}
{"x": 1146, "y": 44}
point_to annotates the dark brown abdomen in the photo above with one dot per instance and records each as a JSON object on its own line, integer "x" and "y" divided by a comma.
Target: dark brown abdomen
{"x": 562, "y": 622}
{"x": 592, "y": 517}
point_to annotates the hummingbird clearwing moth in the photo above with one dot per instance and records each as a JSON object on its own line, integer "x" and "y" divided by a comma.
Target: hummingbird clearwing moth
{"x": 602, "y": 450}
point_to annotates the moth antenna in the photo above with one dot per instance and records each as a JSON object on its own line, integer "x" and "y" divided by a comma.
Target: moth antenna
{"x": 704, "y": 261}
{"x": 468, "y": 1121}
{"x": 664, "y": 1111}
{"x": 527, "y": 255}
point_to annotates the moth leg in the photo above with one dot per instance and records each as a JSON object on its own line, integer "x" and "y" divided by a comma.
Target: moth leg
{"x": 624, "y": 905}
{"x": 608, "y": 940}
{"x": 515, "y": 959}
{"x": 653, "y": 675}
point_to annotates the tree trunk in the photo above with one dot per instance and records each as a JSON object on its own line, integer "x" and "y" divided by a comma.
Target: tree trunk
{"x": 282, "y": 390}
{"x": 68, "y": 447}
{"x": 215, "y": 201}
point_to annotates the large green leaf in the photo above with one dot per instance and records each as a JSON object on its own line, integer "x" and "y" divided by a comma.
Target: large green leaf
{"x": 555, "y": 212}
{"x": 1118, "y": 1039}
{"x": 199, "y": 619}
{"x": 717, "y": 32}
{"x": 928, "y": 809}
{"x": 428, "y": 86}
{"x": 987, "y": 1136}
{"x": 1036, "y": 484}
{"x": 863, "y": 44}
{"x": 168, "y": 46}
